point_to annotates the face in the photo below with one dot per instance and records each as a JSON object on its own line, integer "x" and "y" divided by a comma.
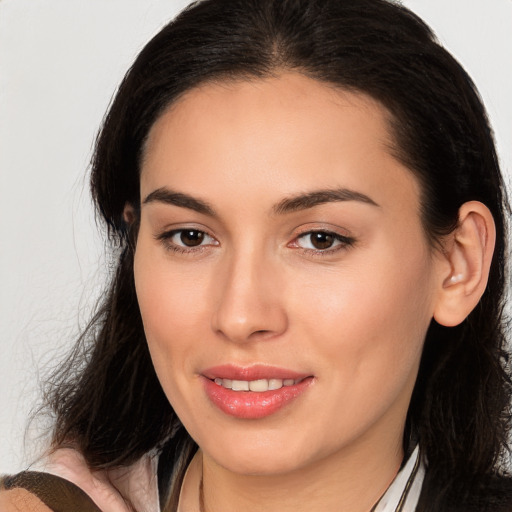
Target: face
{"x": 283, "y": 275}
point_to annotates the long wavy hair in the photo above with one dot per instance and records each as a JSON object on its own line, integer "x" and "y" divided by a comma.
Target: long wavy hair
{"x": 106, "y": 397}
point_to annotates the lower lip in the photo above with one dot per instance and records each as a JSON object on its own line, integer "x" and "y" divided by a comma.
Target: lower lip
{"x": 251, "y": 404}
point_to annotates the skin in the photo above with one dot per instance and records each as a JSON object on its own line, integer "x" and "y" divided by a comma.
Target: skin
{"x": 21, "y": 500}
{"x": 353, "y": 316}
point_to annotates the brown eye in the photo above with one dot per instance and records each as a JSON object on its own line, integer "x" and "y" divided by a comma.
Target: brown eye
{"x": 191, "y": 237}
{"x": 186, "y": 240}
{"x": 322, "y": 240}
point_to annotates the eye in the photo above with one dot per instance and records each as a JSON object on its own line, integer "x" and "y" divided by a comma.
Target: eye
{"x": 184, "y": 239}
{"x": 323, "y": 241}
{"x": 189, "y": 237}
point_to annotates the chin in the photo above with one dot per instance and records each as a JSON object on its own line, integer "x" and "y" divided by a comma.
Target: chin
{"x": 265, "y": 464}
{"x": 263, "y": 454}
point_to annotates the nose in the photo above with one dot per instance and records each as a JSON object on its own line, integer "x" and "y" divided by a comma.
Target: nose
{"x": 250, "y": 303}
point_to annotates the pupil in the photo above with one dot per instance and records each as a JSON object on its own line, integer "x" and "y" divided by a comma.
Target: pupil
{"x": 192, "y": 238}
{"x": 322, "y": 240}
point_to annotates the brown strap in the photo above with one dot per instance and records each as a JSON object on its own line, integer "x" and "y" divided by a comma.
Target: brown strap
{"x": 56, "y": 493}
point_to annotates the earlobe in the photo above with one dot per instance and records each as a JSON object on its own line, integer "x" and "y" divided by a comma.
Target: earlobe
{"x": 454, "y": 279}
{"x": 468, "y": 252}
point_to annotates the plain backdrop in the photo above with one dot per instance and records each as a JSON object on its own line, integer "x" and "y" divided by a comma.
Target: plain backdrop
{"x": 60, "y": 62}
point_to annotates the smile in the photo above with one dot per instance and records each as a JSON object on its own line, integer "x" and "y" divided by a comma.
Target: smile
{"x": 257, "y": 386}
{"x": 253, "y": 392}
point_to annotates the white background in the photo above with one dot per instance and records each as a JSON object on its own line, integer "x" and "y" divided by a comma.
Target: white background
{"x": 60, "y": 62}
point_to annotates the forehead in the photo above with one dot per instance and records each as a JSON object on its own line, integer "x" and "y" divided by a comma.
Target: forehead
{"x": 292, "y": 97}
{"x": 290, "y": 132}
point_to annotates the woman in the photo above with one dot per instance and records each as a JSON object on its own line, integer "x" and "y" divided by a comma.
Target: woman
{"x": 307, "y": 309}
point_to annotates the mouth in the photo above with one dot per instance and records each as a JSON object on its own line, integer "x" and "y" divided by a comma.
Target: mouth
{"x": 253, "y": 392}
{"x": 257, "y": 386}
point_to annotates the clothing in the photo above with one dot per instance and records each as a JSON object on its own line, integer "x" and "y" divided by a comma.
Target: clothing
{"x": 56, "y": 493}
{"x": 63, "y": 485}
{"x": 404, "y": 492}
{"x": 128, "y": 489}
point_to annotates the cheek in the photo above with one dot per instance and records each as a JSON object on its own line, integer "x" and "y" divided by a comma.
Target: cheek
{"x": 171, "y": 304}
{"x": 371, "y": 317}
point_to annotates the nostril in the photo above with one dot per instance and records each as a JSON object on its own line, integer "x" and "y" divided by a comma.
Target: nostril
{"x": 262, "y": 334}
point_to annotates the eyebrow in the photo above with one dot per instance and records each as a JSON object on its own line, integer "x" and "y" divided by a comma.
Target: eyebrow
{"x": 288, "y": 205}
{"x": 164, "y": 195}
{"x": 318, "y": 197}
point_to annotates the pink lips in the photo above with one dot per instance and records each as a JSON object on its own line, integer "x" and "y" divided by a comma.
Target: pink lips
{"x": 252, "y": 404}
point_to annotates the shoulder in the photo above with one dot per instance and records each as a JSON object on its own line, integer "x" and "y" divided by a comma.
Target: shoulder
{"x": 32, "y": 491}
{"x": 21, "y": 500}
{"x": 119, "y": 489}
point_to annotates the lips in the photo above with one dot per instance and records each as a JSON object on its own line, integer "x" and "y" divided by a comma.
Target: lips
{"x": 253, "y": 392}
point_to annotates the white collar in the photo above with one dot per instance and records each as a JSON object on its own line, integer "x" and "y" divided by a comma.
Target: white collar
{"x": 404, "y": 492}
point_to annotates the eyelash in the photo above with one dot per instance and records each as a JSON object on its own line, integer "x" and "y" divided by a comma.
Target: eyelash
{"x": 344, "y": 242}
{"x": 166, "y": 239}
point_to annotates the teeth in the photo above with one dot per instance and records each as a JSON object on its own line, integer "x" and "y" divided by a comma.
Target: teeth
{"x": 275, "y": 384}
{"x": 256, "y": 385}
{"x": 239, "y": 385}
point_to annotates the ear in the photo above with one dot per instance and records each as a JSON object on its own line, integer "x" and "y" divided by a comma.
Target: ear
{"x": 129, "y": 213}
{"x": 467, "y": 259}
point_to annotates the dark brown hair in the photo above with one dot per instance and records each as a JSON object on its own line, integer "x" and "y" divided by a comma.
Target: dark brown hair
{"x": 106, "y": 397}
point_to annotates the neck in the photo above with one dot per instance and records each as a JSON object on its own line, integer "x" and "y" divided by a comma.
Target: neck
{"x": 349, "y": 480}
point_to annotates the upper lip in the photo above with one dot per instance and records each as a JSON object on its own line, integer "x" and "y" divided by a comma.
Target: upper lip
{"x": 249, "y": 373}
